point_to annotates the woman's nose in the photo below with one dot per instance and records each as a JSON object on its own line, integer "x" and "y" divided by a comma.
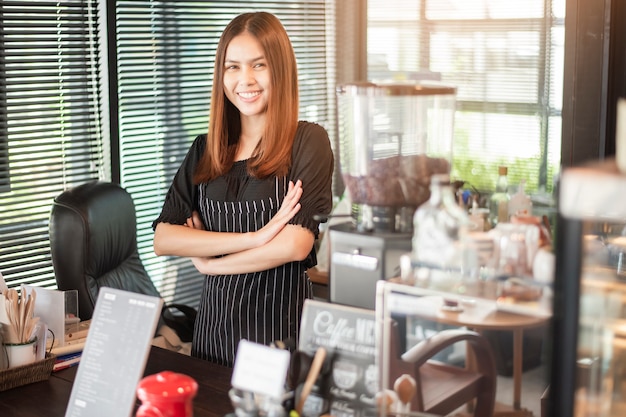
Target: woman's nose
{"x": 247, "y": 76}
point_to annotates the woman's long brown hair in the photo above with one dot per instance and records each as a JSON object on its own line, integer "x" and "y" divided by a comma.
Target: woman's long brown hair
{"x": 272, "y": 155}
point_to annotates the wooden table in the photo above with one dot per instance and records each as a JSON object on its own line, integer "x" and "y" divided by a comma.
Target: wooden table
{"x": 483, "y": 315}
{"x": 49, "y": 398}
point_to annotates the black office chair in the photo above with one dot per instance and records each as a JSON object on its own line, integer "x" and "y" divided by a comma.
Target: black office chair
{"x": 93, "y": 242}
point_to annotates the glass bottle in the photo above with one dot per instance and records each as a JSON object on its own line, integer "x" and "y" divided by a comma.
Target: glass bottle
{"x": 499, "y": 201}
{"x": 442, "y": 259}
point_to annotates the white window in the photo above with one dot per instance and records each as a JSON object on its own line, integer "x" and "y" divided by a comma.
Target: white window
{"x": 506, "y": 59}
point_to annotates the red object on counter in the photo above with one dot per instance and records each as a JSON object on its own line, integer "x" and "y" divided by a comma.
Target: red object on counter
{"x": 166, "y": 394}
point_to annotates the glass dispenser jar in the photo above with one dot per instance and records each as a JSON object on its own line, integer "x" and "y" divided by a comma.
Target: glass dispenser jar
{"x": 442, "y": 258}
{"x": 393, "y": 138}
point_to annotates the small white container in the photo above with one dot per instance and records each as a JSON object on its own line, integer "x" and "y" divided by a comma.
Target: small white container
{"x": 19, "y": 354}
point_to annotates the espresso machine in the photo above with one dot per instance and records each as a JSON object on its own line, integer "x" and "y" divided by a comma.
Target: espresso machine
{"x": 392, "y": 138}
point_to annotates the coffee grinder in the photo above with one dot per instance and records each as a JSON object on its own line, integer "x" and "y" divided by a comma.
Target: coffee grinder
{"x": 392, "y": 138}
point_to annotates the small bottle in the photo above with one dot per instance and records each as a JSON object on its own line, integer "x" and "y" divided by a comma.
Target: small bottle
{"x": 499, "y": 201}
{"x": 520, "y": 204}
{"x": 439, "y": 248}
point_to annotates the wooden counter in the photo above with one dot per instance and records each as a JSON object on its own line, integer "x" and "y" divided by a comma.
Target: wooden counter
{"x": 49, "y": 398}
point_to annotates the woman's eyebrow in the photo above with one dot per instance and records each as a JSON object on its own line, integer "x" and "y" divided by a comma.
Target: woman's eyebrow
{"x": 234, "y": 61}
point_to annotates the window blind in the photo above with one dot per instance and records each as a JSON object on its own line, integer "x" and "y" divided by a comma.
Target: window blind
{"x": 506, "y": 60}
{"x": 165, "y": 53}
{"x": 50, "y": 131}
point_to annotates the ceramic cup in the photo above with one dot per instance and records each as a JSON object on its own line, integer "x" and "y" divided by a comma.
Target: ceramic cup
{"x": 20, "y": 354}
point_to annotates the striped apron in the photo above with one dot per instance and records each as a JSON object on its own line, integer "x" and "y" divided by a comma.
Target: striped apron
{"x": 260, "y": 307}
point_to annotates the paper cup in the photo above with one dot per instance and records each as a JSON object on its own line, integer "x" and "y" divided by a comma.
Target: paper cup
{"x": 20, "y": 354}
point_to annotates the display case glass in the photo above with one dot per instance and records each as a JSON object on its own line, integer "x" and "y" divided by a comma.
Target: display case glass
{"x": 588, "y": 355}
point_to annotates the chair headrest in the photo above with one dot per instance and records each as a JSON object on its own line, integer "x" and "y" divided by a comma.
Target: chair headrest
{"x": 99, "y": 216}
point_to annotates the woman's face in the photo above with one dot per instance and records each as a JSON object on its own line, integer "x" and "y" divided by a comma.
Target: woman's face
{"x": 246, "y": 75}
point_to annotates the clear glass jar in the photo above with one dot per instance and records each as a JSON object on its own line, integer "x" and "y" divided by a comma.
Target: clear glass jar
{"x": 392, "y": 137}
{"x": 442, "y": 257}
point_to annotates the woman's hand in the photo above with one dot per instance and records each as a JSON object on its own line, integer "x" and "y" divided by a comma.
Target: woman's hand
{"x": 194, "y": 221}
{"x": 201, "y": 264}
{"x": 288, "y": 209}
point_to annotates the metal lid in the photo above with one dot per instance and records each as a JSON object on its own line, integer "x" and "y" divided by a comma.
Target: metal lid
{"x": 412, "y": 88}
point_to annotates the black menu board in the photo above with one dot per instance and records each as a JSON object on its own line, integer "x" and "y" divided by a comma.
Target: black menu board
{"x": 115, "y": 354}
{"x": 348, "y": 387}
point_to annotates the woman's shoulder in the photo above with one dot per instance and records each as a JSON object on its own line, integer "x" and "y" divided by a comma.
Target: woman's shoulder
{"x": 199, "y": 143}
{"x": 194, "y": 154}
{"x": 310, "y": 134}
{"x": 310, "y": 128}
{"x": 197, "y": 148}
{"x": 311, "y": 144}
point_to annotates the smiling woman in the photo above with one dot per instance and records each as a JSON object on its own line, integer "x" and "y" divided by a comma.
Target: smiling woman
{"x": 242, "y": 204}
{"x": 165, "y": 109}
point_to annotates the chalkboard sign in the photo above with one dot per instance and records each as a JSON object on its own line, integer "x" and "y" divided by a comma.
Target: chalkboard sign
{"x": 350, "y": 383}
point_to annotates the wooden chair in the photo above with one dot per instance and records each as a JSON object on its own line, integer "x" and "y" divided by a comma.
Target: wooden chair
{"x": 443, "y": 388}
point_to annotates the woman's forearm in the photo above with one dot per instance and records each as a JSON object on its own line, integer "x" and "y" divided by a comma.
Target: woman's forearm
{"x": 179, "y": 240}
{"x": 293, "y": 243}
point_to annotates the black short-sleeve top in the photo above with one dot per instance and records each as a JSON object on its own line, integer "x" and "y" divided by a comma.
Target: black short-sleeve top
{"x": 312, "y": 162}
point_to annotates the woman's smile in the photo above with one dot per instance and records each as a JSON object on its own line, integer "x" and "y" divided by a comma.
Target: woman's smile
{"x": 249, "y": 95}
